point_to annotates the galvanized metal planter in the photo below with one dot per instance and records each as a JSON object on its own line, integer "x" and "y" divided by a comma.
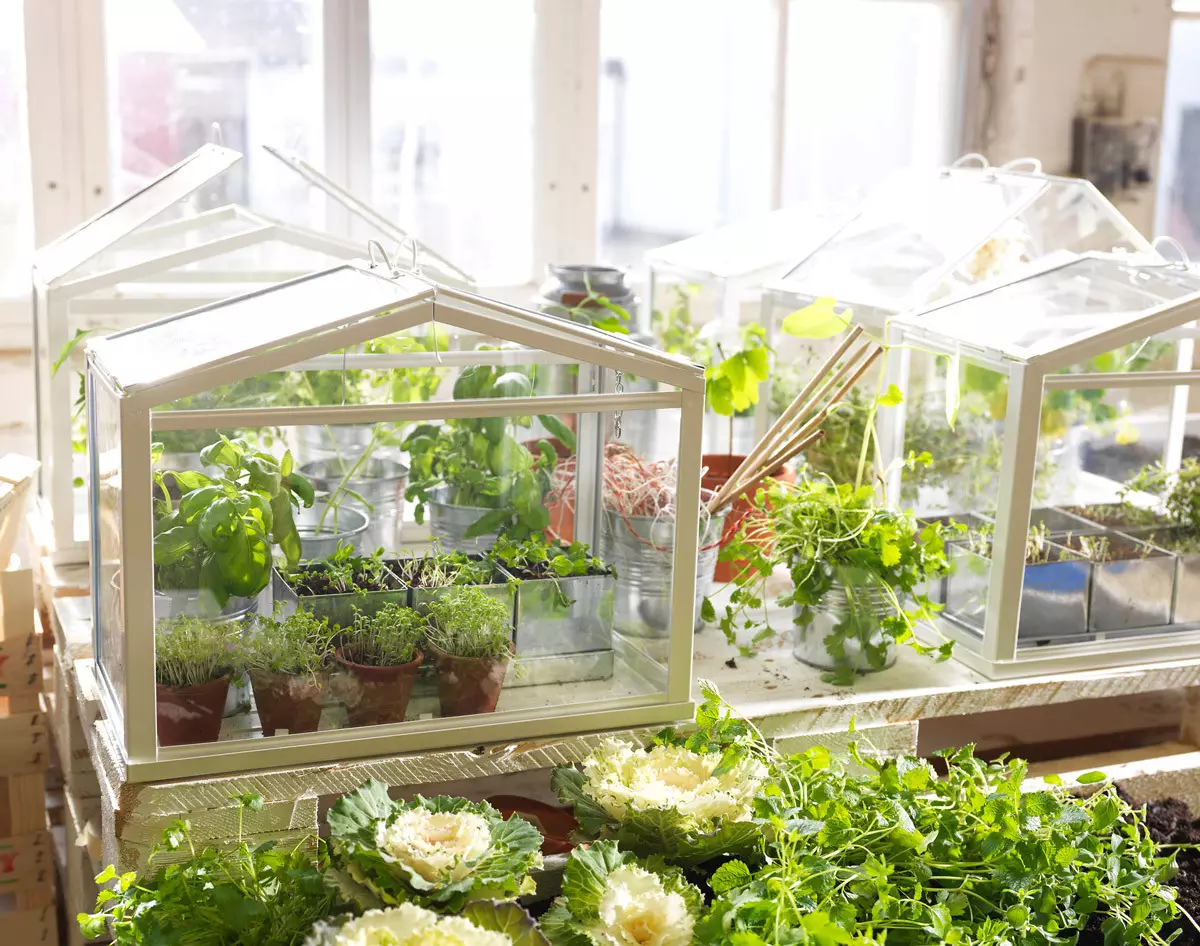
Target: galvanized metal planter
{"x": 1054, "y": 595}
{"x": 564, "y": 629}
{"x": 339, "y": 609}
{"x": 448, "y": 523}
{"x": 640, "y": 549}
{"x": 380, "y": 481}
{"x": 323, "y": 530}
{"x": 503, "y": 588}
{"x": 1131, "y": 590}
{"x": 1115, "y": 517}
{"x": 865, "y": 606}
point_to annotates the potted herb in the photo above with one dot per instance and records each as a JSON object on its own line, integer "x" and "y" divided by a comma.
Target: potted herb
{"x": 341, "y": 585}
{"x": 564, "y": 607}
{"x": 381, "y": 655}
{"x": 1054, "y": 591}
{"x": 470, "y": 640}
{"x": 474, "y": 476}
{"x": 194, "y": 660}
{"x": 288, "y": 662}
{"x": 213, "y": 535}
{"x": 432, "y": 576}
{"x": 859, "y": 571}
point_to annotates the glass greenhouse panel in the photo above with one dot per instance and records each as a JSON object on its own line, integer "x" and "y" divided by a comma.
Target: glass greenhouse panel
{"x": 106, "y": 533}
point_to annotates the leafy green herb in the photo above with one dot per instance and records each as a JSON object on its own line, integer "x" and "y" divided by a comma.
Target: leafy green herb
{"x": 217, "y": 537}
{"x": 387, "y": 638}
{"x": 262, "y": 896}
{"x": 344, "y": 572}
{"x": 189, "y": 651}
{"x": 437, "y": 852}
{"x": 468, "y": 622}
{"x": 298, "y": 645}
{"x": 837, "y": 541}
{"x": 539, "y": 558}
{"x": 438, "y": 569}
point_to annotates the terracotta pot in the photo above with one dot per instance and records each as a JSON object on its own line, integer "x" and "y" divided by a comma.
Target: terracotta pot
{"x": 721, "y": 466}
{"x": 288, "y": 701}
{"x": 556, "y": 824}
{"x": 187, "y": 715}
{"x": 468, "y": 685}
{"x": 377, "y": 695}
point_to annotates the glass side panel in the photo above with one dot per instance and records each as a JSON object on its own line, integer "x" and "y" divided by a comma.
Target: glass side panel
{"x": 166, "y": 349}
{"x": 908, "y": 233}
{"x": 954, "y": 475}
{"x": 1096, "y": 441}
{"x": 1037, "y": 315}
{"x": 497, "y": 627}
{"x": 105, "y": 526}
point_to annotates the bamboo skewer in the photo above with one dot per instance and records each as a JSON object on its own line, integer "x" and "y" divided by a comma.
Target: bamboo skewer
{"x": 798, "y": 427}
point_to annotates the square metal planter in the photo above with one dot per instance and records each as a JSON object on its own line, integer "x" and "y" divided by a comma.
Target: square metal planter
{"x": 1112, "y": 517}
{"x": 1132, "y": 591}
{"x": 564, "y": 629}
{"x": 1186, "y": 610}
{"x": 339, "y": 609}
{"x": 502, "y": 588}
{"x": 1054, "y": 595}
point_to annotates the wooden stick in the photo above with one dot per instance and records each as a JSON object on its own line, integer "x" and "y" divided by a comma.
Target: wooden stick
{"x": 801, "y": 399}
{"x": 781, "y": 433}
{"x": 766, "y": 474}
{"x": 736, "y": 484}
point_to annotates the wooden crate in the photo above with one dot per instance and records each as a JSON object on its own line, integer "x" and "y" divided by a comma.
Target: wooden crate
{"x": 30, "y": 919}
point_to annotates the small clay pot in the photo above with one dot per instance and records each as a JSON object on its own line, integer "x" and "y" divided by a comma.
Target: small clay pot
{"x": 721, "y": 466}
{"x": 375, "y": 695}
{"x": 468, "y": 685}
{"x": 191, "y": 714}
{"x": 289, "y": 701}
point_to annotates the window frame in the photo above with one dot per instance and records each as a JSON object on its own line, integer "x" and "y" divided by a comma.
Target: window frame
{"x": 67, "y": 85}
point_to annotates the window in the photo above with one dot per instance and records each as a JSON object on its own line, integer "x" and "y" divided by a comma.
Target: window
{"x": 179, "y": 67}
{"x": 16, "y": 224}
{"x": 1178, "y": 208}
{"x": 506, "y": 134}
{"x": 452, "y": 129}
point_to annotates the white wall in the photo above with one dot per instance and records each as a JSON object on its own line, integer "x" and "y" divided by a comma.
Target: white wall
{"x": 1045, "y": 48}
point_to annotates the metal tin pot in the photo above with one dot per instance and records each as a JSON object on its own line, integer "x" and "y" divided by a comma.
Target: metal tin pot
{"x": 342, "y": 443}
{"x": 862, "y": 604}
{"x": 339, "y": 609}
{"x": 448, "y": 523}
{"x": 1133, "y": 590}
{"x": 640, "y": 550}
{"x": 1054, "y": 595}
{"x": 564, "y": 629}
{"x": 380, "y": 482}
{"x": 343, "y": 525}
{"x": 568, "y": 284}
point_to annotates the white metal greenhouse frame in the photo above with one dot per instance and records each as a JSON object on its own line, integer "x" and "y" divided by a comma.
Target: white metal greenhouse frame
{"x": 354, "y": 303}
{"x": 998, "y": 656}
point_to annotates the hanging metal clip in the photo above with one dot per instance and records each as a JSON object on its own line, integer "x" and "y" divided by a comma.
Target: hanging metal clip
{"x": 620, "y": 389}
{"x": 388, "y": 262}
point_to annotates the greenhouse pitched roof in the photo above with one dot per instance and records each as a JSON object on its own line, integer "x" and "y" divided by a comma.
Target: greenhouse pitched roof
{"x": 61, "y": 257}
{"x": 1069, "y": 309}
{"x": 343, "y": 306}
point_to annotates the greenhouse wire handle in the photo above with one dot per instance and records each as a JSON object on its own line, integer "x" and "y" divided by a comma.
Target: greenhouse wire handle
{"x": 1179, "y": 248}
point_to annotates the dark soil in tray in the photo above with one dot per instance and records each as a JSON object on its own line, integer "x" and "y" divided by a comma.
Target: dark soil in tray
{"x": 1170, "y": 822}
{"x": 414, "y": 572}
{"x": 315, "y": 581}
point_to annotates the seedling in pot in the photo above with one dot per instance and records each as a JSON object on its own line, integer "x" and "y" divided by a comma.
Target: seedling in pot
{"x": 344, "y": 572}
{"x": 194, "y": 660}
{"x": 469, "y": 637}
{"x": 437, "y": 569}
{"x": 288, "y": 659}
{"x": 382, "y": 655}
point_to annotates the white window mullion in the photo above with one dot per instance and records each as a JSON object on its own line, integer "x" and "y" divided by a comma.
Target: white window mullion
{"x": 92, "y": 75}
{"x": 566, "y": 113}
{"x": 346, "y": 71}
{"x": 779, "y": 102}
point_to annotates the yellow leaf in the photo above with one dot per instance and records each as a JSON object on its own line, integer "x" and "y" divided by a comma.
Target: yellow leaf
{"x": 817, "y": 320}
{"x": 889, "y": 555}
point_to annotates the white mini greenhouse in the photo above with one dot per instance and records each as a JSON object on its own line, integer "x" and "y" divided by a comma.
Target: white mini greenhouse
{"x": 181, "y": 555}
{"x": 172, "y": 246}
{"x": 1032, "y": 406}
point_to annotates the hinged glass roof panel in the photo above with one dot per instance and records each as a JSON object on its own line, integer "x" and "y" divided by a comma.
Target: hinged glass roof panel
{"x": 1042, "y": 313}
{"x": 93, "y": 236}
{"x": 142, "y": 357}
{"x": 907, "y": 235}
{"x": 380, "y": 225}
{"x": 751, "y": 246}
